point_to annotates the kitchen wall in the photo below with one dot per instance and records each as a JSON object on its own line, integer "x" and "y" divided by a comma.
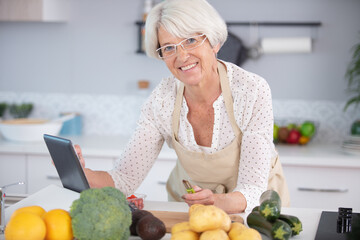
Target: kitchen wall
{"x": 88, "y": 64}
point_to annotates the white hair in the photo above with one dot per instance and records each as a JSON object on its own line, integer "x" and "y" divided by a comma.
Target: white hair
{"x": 183, "y": 19}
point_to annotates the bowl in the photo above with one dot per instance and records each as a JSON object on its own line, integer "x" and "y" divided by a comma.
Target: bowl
{"x": 137, "y": 199}
{"x": 28, "y": 130}
{"x": 295, "y": 131}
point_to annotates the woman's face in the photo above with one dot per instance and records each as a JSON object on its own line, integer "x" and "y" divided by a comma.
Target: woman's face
{"x": 194, "y": 66}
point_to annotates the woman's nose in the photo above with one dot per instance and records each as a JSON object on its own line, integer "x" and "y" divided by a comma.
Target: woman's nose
{"x": 182, "y": 53}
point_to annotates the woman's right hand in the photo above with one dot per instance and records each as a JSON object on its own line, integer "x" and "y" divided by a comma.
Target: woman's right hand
{"x": 80, "y": 156}
{"x": 96, "y": 179}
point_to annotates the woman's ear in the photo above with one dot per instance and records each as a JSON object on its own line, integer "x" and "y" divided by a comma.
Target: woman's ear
{"x": 216, "y": 48}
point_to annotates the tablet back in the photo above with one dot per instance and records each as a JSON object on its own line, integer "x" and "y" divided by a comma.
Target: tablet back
{"x": 67, "y": 163}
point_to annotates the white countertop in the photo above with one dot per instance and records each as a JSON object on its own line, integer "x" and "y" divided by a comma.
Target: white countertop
{"x": 57, "y": 197}
{"x": 330, "y": 155}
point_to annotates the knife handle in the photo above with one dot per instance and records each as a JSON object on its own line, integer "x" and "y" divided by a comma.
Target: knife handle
{"x": 189, "y": 188}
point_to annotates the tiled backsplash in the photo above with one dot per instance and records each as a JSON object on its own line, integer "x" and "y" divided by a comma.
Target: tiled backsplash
{"x": 117, "y": 115}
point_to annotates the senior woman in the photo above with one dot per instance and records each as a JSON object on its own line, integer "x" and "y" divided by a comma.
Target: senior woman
{"x": 217, "y": 116}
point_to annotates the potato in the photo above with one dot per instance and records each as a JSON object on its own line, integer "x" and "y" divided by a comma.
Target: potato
{"x": 248, "y": 234}
{"x": 185, "y": 235}
{"x": 194, "y": 207}
{"x": 182, "y": 226}
{"x": 226, "y": 221}
{"x": 236, "y": 229}
{"x": 209, "y": 217}
{"x": 217, "y": 234}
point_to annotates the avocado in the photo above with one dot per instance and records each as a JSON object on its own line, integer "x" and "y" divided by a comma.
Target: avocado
{"x": 150, "y": 228}
{"x": 136, "y": 216}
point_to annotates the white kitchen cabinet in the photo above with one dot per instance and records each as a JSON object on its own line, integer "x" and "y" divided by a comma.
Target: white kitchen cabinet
{"x": 154, "y": 185}
{"x": 323, "y": 187}
{"x": 41, "y": 173}
{"x": 99, "y": 163}
{"x": 12, "y": 170}
{"x": 34, "y": 10}
{"x": 37, "y": 171}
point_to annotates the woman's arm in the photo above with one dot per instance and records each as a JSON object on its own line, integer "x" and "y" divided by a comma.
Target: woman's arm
{"x": 137, "y": 157}
{"x": 257, "y": 145}
{"x": 233, "y": 202}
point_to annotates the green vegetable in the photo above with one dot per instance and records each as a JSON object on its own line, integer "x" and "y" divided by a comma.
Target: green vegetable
{"x": 256, "y": 209}
{"x": 355, "y": 128}
{"x": 278, "y": 229}
{"x": 101, "y": 213}
{"x": 2, "y": 108}
{"x": 270, "y": 205}
{"x": 20, "y": 111}
{"x": 294, "y": 222}
{"x": 307, "y": 129}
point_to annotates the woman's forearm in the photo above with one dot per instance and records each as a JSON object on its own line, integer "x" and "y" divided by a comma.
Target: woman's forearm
{"x": 98, "y": 179}
{"x": 233, "y": 202}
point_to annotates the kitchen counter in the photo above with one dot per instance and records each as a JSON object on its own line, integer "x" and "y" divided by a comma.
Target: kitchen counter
{"x": 330, "y": 155}
{"x": 56, "y": 197}
{"x": 330, "y": 171}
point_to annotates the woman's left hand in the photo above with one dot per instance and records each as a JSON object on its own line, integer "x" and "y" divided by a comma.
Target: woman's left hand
{"x": 201, "y": 196}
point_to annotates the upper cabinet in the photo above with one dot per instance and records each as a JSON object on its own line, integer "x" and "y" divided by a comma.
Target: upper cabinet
{"x": 34, "y": 10}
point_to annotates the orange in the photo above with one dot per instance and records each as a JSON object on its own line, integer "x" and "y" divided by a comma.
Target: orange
{"x": 58, "y": 225}
{"x": 37, "y": 210}
{"x": 304, "y": 140}
{"x": 25, "y": 226}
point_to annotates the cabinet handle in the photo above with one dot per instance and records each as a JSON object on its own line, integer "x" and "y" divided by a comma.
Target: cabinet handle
{"x": 161, "y": 183}
{"x": 333, "y": 190}
{"x": 52, "y": 177}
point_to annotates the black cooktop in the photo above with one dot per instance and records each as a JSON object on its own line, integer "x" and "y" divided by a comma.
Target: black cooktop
{"x": 330, "y": 229}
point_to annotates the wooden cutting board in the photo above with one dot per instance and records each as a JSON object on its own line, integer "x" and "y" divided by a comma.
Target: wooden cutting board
{"x": 171, "y": 218}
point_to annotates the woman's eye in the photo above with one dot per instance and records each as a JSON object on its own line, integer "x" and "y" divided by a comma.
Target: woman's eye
{"x": 168, "y": 48}
{"x": 191, "y": 41}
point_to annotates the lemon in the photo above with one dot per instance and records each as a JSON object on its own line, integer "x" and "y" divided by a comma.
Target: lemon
{"x": 37, "y": 210}
{"x": 58, "y": 225}
{"x": 25, "y": 226}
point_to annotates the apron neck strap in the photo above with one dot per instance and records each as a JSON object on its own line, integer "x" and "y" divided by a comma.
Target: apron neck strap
{"x": 177, "y": 108}
{"x": 225, "y": 87}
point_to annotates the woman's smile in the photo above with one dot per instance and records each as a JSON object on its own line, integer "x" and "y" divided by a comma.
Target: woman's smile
{"x": 188, "y": 67}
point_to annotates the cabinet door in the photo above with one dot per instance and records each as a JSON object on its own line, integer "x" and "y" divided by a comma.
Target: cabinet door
{"x": 99, "y": 163}
{"x": 34, "y": 10}
{"x": 323, "y": 187}
{"x": 154, "y": 185}
{"x": 12, "y": 170}
{"x": 41, "y": 173}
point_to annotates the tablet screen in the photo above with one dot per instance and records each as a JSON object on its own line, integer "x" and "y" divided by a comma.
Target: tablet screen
{"x": 66, "y": 163}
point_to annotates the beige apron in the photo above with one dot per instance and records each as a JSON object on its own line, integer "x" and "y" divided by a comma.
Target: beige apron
{"x": 217, "y": 171}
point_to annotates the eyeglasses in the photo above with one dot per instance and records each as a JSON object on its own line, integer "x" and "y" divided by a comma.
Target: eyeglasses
{"x": 187, "y": 44}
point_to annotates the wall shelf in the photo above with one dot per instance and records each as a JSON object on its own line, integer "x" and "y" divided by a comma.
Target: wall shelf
{"x": 276, "y": 24}
{"x": 140, "y": 25}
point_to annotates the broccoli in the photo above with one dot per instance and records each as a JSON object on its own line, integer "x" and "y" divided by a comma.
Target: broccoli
{"x": 101, "y": 213}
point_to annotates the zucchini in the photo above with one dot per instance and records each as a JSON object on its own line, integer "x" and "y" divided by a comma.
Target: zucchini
{"x": 294, "y": 222}
{"x": 270, "y": 205}
{"x": 278, "y": 229}
{"x": 256, "y": 209}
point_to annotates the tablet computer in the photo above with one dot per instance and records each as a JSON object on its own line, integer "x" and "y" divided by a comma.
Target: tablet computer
{"x": 66, "y": 163}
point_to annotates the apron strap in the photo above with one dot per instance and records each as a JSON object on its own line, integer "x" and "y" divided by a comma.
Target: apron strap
{"x": 177, "y": 108}
{"x": 225, "y": 87}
